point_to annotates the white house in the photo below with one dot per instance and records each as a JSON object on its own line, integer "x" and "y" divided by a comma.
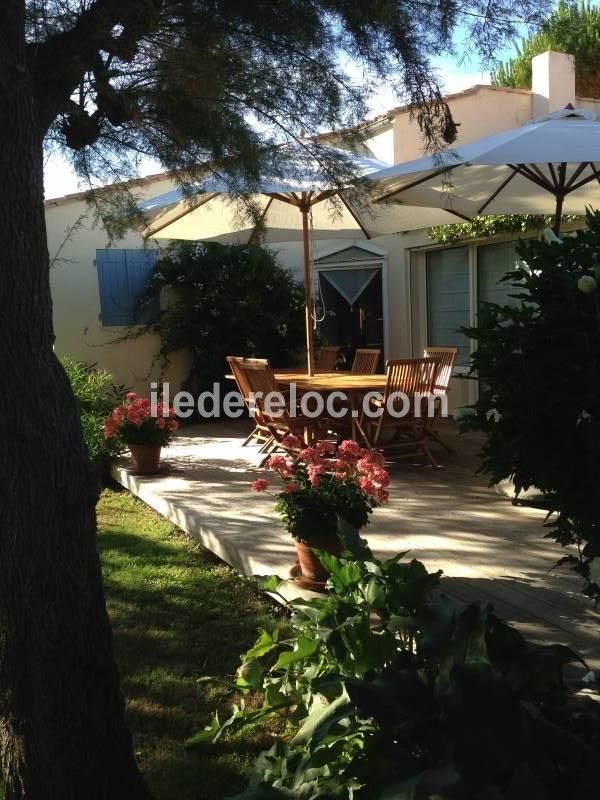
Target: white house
{"x": 402, "y": 290}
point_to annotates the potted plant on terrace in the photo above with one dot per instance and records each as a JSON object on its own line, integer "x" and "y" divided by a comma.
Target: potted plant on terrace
{"x": 322, "y": 487}
{"x": 145, "y": 428}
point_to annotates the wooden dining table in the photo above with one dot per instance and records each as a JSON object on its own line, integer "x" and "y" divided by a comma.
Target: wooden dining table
{"x": 353, "y": 385}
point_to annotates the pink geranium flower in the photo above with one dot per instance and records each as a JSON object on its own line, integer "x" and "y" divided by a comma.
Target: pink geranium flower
{"x": 292, "y": 442}
{"x": 348, "y": 480}
{"x": 137, "y": 421}
{"x": 367, "y": 485}
{"x": 349, "y": 449}
{"x": 311, "y": 455}
{"x": 315, "y": 472}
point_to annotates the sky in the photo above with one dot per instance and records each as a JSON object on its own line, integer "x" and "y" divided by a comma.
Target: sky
{"x": 59, "y": 178}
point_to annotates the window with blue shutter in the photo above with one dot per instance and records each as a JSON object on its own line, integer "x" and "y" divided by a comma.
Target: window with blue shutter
{"x": 122, "y": 277}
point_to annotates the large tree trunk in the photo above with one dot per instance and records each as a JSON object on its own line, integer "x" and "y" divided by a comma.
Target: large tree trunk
{"x": 62, "y": 728}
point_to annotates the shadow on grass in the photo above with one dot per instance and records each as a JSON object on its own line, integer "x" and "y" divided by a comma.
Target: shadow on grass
{"x": 178, "y": 614}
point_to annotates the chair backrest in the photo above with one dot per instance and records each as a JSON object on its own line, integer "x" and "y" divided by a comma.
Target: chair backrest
{"x": 236, "y": 366}
{"x": 234, "y": 363}
{"x": 261, "y": 382}
{"x": 409, "y": 376}
{"x": 366, "y": 361}
{"x": 328, "y": 357}
{"x": 445, "y": 356}
{"x": 256, "y": 361}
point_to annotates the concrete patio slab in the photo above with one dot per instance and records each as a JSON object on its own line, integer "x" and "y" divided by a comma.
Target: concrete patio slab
{"x": 489, "y": 549}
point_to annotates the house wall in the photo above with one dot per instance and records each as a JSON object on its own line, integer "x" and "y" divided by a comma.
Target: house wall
{"x": 72, "y": 242}
{"x": 381, "y": 144}
{"x": 479, "y": 111}
{"x": 405, "y": 296}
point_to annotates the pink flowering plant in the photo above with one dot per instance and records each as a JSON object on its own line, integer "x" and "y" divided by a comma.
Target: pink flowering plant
{"x": 138, "y": 421}
{"x": 325, "y": 484}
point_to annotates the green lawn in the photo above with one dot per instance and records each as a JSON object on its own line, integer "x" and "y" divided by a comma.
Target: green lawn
{"x": 177, "y": 613}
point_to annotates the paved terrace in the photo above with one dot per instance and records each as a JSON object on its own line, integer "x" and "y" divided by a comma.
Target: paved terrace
{"x": 489, "y": 549}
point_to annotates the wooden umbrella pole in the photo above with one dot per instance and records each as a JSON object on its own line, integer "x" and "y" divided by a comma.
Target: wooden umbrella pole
{"x": 558, "y": 214}
{"x": 308, "y": 299}
{"x": 561, "y": 190}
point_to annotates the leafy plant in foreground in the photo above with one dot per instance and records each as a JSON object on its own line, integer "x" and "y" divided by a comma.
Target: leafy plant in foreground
{"x": 389, "y": 693}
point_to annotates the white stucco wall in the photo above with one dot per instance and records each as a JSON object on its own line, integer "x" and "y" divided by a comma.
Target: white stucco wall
{"x": 381, "y": 144}
{"x": 479, "y": 111}
{"x": 76, "y": 300}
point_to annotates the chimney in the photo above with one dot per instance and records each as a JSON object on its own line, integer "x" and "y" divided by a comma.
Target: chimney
{"x": 552, "y": 82}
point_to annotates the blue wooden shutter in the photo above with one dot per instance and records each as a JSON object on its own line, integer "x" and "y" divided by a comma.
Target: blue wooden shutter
{"x": 122, "y": 276}
{"x": 140, "y": 265}
{"x": 115, "y": 308}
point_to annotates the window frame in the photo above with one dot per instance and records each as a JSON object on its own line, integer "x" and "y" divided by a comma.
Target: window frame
{"x": 458, "y": 368}
{"x": 419, "y": 263}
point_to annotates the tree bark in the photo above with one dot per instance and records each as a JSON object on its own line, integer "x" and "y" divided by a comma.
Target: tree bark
{"x": 62, "y": 725}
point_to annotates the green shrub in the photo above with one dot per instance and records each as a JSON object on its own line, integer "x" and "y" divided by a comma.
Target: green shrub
{"x": 538, "y": 366}
{"x": 97, "y": 395}
{"x": 389, "y": 692}
{"x": 226, "y": 300}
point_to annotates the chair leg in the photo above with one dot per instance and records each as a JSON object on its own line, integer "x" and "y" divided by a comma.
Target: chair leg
{"x": 267, "y": 453}
{"x": 264, "y": 460}
{"x": 435, "y": 438}
{"x": 248, "y": 439}
{"x": 427, "y": 452}
{"x": 266, "y": 445}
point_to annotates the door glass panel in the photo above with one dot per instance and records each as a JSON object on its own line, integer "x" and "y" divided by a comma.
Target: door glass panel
{"x": 493, "y": 262}
{"x": 350, "y": 324}
{"x": 448, "y": 300}
{"x": 350, "y": 283}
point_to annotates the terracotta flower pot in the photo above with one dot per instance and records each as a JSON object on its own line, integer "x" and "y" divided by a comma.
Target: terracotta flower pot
{"x": 308, "y": 572}
{"x": 146, "y": 458}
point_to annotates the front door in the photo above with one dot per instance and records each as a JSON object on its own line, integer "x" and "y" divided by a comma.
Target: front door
{"x": 350, "y": 308}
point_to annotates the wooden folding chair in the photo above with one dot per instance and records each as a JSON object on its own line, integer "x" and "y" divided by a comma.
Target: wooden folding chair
{"x": 404, "y": 436}
{"x": 366, "y": 361}
{"x": 259, "y": 434}
{"x": 445, "y": 356}
{"x": 278, "y": 421}
{"x": 328, "y": 357}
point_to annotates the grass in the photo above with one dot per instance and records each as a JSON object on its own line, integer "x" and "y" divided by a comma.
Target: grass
{"x": 178, "y": 613}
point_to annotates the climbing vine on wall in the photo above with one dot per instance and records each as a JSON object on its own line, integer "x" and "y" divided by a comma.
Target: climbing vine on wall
{"x": 482, "y": 227}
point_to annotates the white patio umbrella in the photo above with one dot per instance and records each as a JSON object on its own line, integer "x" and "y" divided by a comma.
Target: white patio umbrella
{"x": 301, "y": 209}
{"x": 549, "y": 166}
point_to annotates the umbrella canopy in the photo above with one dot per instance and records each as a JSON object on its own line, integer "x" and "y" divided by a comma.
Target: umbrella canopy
{"x": 550, "y": 166}
{"x": 304, "y": 208}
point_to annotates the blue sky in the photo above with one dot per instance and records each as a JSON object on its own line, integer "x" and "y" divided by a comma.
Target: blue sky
{"x": 59, "y": 178}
